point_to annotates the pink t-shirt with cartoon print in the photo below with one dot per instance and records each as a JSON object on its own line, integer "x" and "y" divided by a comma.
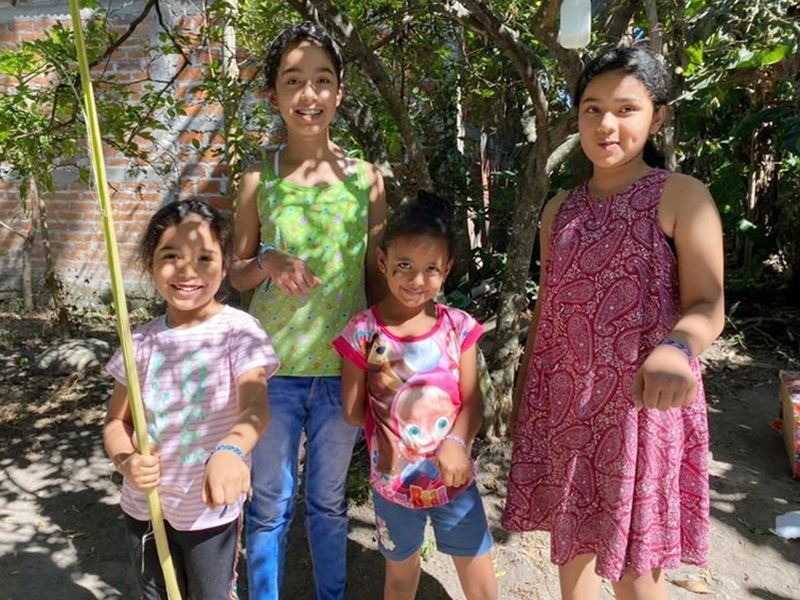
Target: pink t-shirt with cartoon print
{"x": 413, "y": 397}
{"x": 188, "y": 382}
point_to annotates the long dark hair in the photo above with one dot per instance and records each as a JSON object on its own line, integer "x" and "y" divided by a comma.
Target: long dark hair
{"x": 291, "y": 37}
{"x": 644, "y": 65}
{"x": 173, "y": 214}
{"x": 426, "y": 215}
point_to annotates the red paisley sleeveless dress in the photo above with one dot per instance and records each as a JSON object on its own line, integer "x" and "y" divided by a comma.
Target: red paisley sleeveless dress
{"x": 603, "y": 478}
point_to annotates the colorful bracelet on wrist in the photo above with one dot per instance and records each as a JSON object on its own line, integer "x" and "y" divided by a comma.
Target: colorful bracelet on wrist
{"x": 679, "y": 345}
{"x": 457, "y": 439}
{"x": 230, "y": 447}
{"x": 263, "y": 249}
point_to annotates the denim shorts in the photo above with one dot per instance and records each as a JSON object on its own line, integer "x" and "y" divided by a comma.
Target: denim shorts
{"x": 460, "y": 526}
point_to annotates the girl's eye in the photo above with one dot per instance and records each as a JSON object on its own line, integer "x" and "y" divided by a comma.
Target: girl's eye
{"x": 413, "y": 430}
{"x": 324, "y": 81}
{"x": 433, "y": 270}
{"x": 404, "y": 266}
{"x": 169, "y": 256}
{"x": 592, "y": 110}
{"x": 207, "y": 259}
{"x": 627, "y": 109}
{"x": 442, "y": 424}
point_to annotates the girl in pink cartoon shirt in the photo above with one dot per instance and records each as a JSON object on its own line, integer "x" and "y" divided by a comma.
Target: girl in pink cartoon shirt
{"x": 410, "y": 377}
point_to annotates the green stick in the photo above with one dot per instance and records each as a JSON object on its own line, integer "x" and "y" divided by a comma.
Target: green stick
{"x": 120, "y": 305}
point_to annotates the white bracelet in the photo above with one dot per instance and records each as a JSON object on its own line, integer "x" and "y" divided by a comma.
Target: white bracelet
{"x": 457, "y": 439}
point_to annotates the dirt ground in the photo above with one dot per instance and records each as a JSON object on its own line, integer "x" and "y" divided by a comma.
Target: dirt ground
{"x": 61, "y": 531}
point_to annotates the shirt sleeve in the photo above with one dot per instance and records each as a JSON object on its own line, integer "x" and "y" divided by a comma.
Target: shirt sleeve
{"x": 116, "y": 368}
{"x": 471, "y": 331}
{"x": 251, "y": 348}
{"x": 353, "y": 341}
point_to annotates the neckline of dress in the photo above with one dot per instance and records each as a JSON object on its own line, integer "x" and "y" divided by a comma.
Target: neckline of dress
{"x": 601, "y": 199}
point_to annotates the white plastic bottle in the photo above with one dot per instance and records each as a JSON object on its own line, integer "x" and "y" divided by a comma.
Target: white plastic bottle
{"x": 576, "y": 23}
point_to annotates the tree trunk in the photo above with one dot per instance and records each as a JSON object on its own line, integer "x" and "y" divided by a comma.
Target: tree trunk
{"x": 658, "y": 45}
{"x": 531, "y": 196}
{"x": 51, "y": 277}
{"x": 763, "y": 181}
{"x": 27, "y": 268}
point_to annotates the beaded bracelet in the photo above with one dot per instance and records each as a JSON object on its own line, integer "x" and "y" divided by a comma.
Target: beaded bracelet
{"x": 457, "y": 439}
{"x": 262, "y": 251}
{"x": 679, "y": 345}
{"x": 235, "y": 449}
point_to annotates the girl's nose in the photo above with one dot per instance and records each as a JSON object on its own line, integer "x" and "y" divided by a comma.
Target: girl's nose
{"x": 307, "y": 92}
{"x": 606, "y": 124}
{"x": 185, "y": 266}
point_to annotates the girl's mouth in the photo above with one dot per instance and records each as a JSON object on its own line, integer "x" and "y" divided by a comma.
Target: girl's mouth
{"x": 608, "y": 145}
{"x": 186, "y": 288}
{"x": 309, "y": 113}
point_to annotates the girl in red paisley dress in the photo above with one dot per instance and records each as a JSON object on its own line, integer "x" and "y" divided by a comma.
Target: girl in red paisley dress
{"x": 609, "y": 419}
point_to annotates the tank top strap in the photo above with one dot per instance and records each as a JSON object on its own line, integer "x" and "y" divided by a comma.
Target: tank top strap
{"x": 271, "y": 176}
{"x": 361, "y": 173}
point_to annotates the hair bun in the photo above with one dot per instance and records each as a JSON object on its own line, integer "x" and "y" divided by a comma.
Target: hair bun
{"x": 434, "y": 207}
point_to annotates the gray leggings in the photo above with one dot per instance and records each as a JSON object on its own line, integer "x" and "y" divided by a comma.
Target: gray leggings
{"x": 204, "y": 560}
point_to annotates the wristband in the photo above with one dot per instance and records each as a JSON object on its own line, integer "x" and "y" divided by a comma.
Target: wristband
{"x": 679, "y": 345}
{"x": 263, "y": 249}
{"x": 235, "y": 449}
{"x": 457, "y": 439}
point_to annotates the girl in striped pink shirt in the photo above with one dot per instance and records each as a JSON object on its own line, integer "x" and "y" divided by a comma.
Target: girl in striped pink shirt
{"x": 203, "y": 368}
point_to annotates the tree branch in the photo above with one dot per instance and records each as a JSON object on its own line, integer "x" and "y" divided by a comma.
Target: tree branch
{"x": 121, "y": 39}
{"x": 12, "y": 230}
{"x": 470, "y": 12}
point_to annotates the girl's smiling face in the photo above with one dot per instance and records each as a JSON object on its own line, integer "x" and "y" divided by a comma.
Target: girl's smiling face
{"x": 415, "y": 268}
{"x": 615, "y": 118}
{"x": 307, "y": 90}
{"x": 187, "y": 270}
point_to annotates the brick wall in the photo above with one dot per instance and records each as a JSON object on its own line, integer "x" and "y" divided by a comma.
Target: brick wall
{"x": 73, "y": 213}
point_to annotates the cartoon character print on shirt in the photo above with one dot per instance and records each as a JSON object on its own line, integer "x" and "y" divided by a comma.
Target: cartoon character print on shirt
{"x": 386, "y": 378}
{"x": 160, "y": 409}
{"x": 423, "y": 414}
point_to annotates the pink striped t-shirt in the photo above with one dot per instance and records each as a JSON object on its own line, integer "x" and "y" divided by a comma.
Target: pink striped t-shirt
{"x": 188, "y": 381}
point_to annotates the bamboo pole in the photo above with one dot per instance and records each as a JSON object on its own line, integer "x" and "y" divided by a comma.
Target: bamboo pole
{"x": 120, "y": 305}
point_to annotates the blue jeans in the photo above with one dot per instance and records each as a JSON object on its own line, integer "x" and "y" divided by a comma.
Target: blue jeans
{"x": 313, "y": 404}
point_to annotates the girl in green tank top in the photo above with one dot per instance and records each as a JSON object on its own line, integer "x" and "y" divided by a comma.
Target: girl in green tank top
{"x": 325, "y": 227}
{"x": 307, "y": 227}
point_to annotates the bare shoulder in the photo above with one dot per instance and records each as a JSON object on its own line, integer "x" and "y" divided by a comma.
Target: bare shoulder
{"x": 551, "y": 207}
{"x": 682, "y": 190}
{"x": 373, "y": 173}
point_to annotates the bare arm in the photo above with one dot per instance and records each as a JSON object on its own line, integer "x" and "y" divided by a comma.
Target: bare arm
{"x": 227, "y": 475}
{"x": 288, "y": 273}
{"x": 698, "y": 239}
{"x": 545, "y": 229}
{"x": 452, "y": 459}
{"x": 244, "y": 271}
{"x": 376, "y": 284}
{"x": 665, "y": 380}
{"x": 144, "y": 472}
{"x": 354, "y": 394}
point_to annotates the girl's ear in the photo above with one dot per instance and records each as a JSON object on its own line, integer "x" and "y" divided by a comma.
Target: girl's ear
{"x": 272, "y": 98}
{"x": 339, "y": 95}
{"x": 659, "y": 116}
{"x": 448, "y": 267}
{"x": 381, "y": 256}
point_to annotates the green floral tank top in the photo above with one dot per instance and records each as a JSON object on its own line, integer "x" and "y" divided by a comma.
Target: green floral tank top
{"x": 327, "y": 227}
